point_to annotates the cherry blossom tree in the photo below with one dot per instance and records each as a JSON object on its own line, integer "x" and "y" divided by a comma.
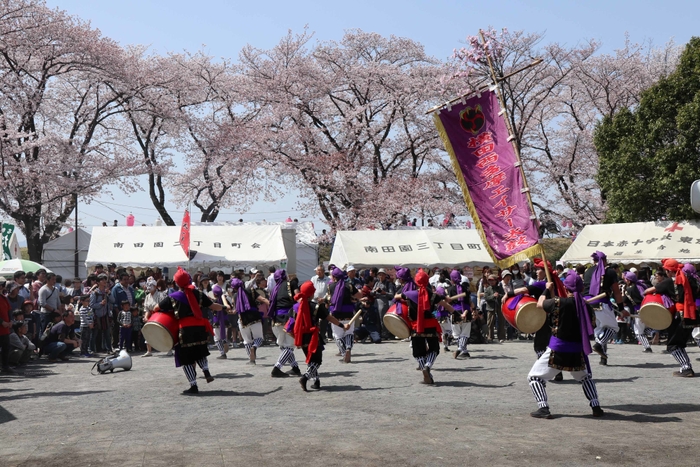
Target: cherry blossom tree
{"x": 58, "y": 110}
{"x": 218, "y": 129}
{"x": 345, "y": 124}
{"x": 554, "y": 108}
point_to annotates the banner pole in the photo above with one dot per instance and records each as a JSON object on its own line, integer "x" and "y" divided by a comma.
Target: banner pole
{"x": 511, "y": 133}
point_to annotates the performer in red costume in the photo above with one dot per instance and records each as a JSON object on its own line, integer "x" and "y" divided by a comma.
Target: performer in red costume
{"x": 306, "y": 332}
{"x": 194, "y": 333}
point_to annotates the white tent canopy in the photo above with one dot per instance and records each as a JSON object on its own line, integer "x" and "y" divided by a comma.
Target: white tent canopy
{"x": 410, "y": 248}
{"x": 637, "y": 242}
{"x": 59, "y": 254}
{"x": 236, "y": 246}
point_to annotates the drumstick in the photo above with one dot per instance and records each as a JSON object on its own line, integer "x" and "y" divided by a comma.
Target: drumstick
{"x": 225, "y": 300}
{"x": 355, "y": 317}
{"x": 597, "y": 297}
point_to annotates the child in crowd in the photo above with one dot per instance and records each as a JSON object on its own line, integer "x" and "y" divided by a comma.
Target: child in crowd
{"x": 124, "y": 319}
{"x": 135, "y": 330}
{"x": 87, "y": 323}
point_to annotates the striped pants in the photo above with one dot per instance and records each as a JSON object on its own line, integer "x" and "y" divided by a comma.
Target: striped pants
{"x": 286, "y": 345}
{"x": 343, "y": 339}
{"x": 541, "y": 372}
{"x": 191, "y": 370}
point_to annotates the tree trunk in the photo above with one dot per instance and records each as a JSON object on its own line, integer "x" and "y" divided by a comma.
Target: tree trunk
{"x": 158, "y": 199}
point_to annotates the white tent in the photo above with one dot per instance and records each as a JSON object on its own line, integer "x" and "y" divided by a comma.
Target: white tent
{"x": 59, "y": 254}
{"x": 216, "y": 245}
{"x": 410, "y": 248}
{"x": 306, "y": 250}
{"x": 637, "y": 242}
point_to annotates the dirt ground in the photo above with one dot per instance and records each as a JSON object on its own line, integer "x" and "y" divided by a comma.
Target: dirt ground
{"x": 373, "y": 411}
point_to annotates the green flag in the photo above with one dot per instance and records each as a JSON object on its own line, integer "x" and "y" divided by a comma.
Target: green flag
{"x": 7, "y": 230}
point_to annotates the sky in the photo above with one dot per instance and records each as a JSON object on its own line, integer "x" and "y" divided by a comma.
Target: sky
{"x": 222, "y": 28}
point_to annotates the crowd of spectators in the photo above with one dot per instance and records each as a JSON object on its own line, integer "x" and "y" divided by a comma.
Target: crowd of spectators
{"x": 43, "y": 315}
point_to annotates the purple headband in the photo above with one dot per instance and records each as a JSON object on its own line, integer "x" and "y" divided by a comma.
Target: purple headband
{"x": 455, "y": 276}
{"x": 403, "y": 273}
{"x": 598, "y": 255}
{"x": 630, "y": 276}
{"x": 217, "y": 290}
{"x": 236, "y": 283}
{"x": 440, "y": 291}
{"x": 339, "y": 274}
{"x": 280, "y": 275}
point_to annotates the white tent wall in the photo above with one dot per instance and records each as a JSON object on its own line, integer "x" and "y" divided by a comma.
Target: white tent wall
{"x": 637, "y": 242}
{"x": 307, "y": 260}
{"x": 59, "y": 254}
{"x": 289, "y": 237}
{"x": 216, "y": 246}
{"x": 410, "y": 248}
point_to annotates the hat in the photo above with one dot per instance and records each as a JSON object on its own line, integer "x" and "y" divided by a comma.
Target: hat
{"x": 633, "y": 270}
{"x": 3, "y": 281}
{"x": 254, "y": 271}
{"x": 12, "y": 285}
{"x": 27, "y": 302}
{"x": 505, "y": 273}
{"x": 350, "y": 268}
{"x": 99, "y": 265}
{"x": 381, "y": 270}
{"x": 492, "y": 277}
{"x": 112, "y": 265}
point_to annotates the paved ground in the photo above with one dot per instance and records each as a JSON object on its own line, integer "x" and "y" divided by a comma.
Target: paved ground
{"x": 370, "y": 412}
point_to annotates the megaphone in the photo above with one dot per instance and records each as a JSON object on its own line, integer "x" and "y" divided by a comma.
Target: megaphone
{"x": 695, "y": 196}
{"x": 120, "y": 360}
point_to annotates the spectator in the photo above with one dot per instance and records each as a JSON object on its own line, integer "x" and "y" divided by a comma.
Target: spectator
{"x": 101, "y": 302}
{"x": 21, "y": 278}
{"x": 38, "y": 283}
{"x": 271, "y": 279}
{"x": 352, "y": 277}
{"x": 87, "y": 324}
{"x": 493, "y": 295}
{"x": 320, "y": 282}
{"x": 121, "y": 291}
{"x": 153, "y": 297}
{"x": 5, "y": 325}
{"x": 75, "y": 291}
{"x": 59, "y": 285}
{"x": 370, "y": 326}
{"x": 61, "y": 341}
{"x": 13, "y": 295}
{"x": 383, "y": 291}
{"x": 124, "y": 319}
{"x": 21, "y": 348}
{"x": 47, "y": 297}
{"x": 560, "y": 271}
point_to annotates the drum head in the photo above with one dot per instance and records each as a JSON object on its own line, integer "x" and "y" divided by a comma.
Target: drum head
{"x": 396, "y": 326}
{"x": 655, "y": 316}
{"x": 156, "y": 335}
{"x": 530, "y": 318}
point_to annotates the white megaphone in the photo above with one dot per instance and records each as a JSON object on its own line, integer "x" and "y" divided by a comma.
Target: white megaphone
{"x": 695, "y": 196}
{"x": 121, "y": 360}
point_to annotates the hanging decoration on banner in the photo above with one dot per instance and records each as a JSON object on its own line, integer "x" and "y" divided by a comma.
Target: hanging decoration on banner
{"x": 476, "y": 137}
{"x": 185, "y": 233}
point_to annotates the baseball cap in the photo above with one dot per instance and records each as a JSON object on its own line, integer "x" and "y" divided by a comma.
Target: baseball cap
{"x": 12, "y": 285}
{"x": 492, "y": 277}
{"x": 633, "y": 270}
{"x": 254, "y": 271}
{"x": 350, "y": 268}
{"x": 381, "y": 270}
{"x": 506, "y": 273}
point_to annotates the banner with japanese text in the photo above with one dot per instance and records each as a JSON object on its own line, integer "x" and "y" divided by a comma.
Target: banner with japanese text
{"x": 487, "y": 169}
